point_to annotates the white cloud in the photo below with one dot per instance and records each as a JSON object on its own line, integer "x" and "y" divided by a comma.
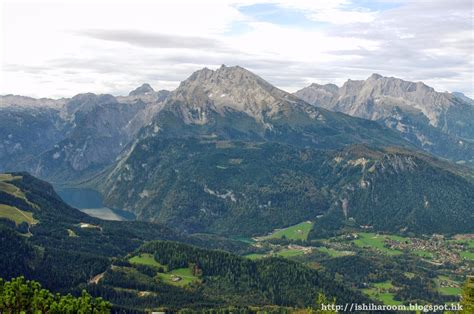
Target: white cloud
{"x": 63, "y": 48}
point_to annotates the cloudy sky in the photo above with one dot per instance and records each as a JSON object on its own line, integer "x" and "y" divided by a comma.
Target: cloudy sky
{"x": 58, "y": 49}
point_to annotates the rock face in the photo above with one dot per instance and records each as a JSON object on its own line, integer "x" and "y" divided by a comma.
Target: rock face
{"x": 233, "y": 103}
{"x": 320, "y": 95}
{"x": 235, "y": 88}
{"x": 441, "y": 123}
{"x": 71, "y": 139}
{"x": 68, "y": 139}
{"x": 26, "y": 132}
{"x": 100, "y": 132}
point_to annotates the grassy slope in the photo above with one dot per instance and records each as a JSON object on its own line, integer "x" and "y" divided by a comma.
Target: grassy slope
{"x": 296, "y": 232}
{"x": 145, "y": 259}
{"x": 381, "y": 292}
{"x": 17, "y": 215}
{"x": 451, "y": 291}
{"x": 468, "y": 255}
{"x": 11, "y": 212}
{"x": 184, "y": 273}
{"x": 375, "y": 241}
{"x": 332, "y": 252}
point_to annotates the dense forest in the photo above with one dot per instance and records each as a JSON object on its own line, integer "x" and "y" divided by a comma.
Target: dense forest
{"x": 246, "y": 188}
{"x": 143, "y": 265}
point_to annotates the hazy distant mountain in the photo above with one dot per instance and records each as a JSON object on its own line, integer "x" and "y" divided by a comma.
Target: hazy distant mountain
{"x": 98, "y": 135}
{"x": 463, "y": 97}
{"x": 66, "y": 139}
{"x": 28, "y": 127}
{"x": 141, "y": 90}
{"x": 29, "y": 102}
{"x": 440, "y": 123}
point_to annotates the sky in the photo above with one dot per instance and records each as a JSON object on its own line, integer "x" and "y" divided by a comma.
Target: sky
{"x": 62, "y": 48}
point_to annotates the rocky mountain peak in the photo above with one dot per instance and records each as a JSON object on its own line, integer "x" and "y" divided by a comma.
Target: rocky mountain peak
{"x": 231, "y": 87}
{"x": 375, "y": 76}
{"x": 319, "y": 95}
{"x": 142, "y": 90}
{"x": 376, "y": 96}
{"x": 438, "y": 122}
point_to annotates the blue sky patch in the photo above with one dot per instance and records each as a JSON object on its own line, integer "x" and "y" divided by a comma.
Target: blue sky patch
{"x": 373, "y": 5}
{"x": 272, "y": 13}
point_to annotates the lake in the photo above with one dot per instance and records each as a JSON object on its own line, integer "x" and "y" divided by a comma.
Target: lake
{"x": 90, "y": 202}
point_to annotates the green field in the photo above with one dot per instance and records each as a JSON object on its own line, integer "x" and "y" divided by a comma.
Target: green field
{"x": 388, "y": 298}
{"x": 332, "y": 252}
{"x": 375, "y": 293}
{"x": 398, "y": 238}
{"x": 12, "y": 190}
{"x": 375, "y": 241}
{"x": 17, "y": 215}
{"x": 145, "y": 259}
{"x": 381, "y": 291}
{"x": 185, "y": 274}
{"x": 450, "y": 291}
{"x": 467, "y": 255}
{"x": 470, "y": 243}
{"x": 296, "y": 232}
{"x": 289, "y": 253}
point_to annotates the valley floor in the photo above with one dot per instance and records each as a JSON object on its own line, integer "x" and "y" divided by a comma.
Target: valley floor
{"x": 435, "y": 265}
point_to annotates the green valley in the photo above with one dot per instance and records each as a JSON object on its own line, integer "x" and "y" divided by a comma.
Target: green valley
{"x": 296, "y": 232}
{"x": 135, "y": 266}
{"x": 390, "y": 268}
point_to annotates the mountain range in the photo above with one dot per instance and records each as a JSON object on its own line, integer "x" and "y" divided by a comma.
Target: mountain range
{"x": 227, "y": 149}
{"x": 68, "y": 139}
{"x": 440, "y": 123}
{"x": 248, "y": 198}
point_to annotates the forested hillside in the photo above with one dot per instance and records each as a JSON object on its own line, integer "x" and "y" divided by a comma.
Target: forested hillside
{"x": 242, "y": 188}
{"x": 214, "y": 279}
{"x": 67, "y": 251}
